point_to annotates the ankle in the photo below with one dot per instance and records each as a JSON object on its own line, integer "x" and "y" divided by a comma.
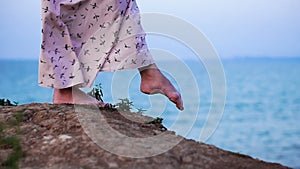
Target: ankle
{"x": 149, "y": 67}
{"x": 62, "y": 93}
{"x": 151, "y": 73}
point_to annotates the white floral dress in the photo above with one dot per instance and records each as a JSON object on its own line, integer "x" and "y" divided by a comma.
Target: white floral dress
{"x": 83, "y": 37}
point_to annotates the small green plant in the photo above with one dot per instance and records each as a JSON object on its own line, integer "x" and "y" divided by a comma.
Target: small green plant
{"x": 124, "y": 105}
{"x": 13, "y": 142}
{"x": 18, "y": 118}
{"x": 158, "y": 120}
{"x": 1, "y": 130}
{"x": 6, "y": 102}
{"x": 12, "y": 160}
{"x": 140, "y": 110}
{"x": 96, "y": 92}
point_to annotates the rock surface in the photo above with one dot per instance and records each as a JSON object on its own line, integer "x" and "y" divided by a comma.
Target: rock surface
{"x": 52, "y": 137}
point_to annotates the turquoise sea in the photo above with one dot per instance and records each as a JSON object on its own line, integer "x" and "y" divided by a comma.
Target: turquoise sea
{"x": 262, "y": 109}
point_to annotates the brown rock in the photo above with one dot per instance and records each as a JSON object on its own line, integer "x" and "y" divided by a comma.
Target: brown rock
{"x": 52, "y": 137}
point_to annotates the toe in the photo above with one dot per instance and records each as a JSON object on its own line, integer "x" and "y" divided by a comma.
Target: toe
{"x": 179, "y": 103}
{"x": 175, "y": 97}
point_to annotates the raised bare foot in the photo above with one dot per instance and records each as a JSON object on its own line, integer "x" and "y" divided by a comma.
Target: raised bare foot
{"x": 74, "y": 95}
{"x": 153, "y": 81}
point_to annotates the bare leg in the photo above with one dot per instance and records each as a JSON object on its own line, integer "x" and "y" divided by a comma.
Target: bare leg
{"x": 153, "y": 81}
{"x": 73, "y": 95}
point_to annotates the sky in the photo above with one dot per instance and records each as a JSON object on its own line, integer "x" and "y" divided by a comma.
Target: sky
{"x": 237, "y": 28}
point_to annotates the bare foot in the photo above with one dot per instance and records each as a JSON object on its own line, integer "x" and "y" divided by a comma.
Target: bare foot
{"x": 153, "y": 81}
{"x": 74, "y": 95}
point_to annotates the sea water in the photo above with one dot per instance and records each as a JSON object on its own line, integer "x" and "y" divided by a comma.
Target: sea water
{"x": 261, "y": 114}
